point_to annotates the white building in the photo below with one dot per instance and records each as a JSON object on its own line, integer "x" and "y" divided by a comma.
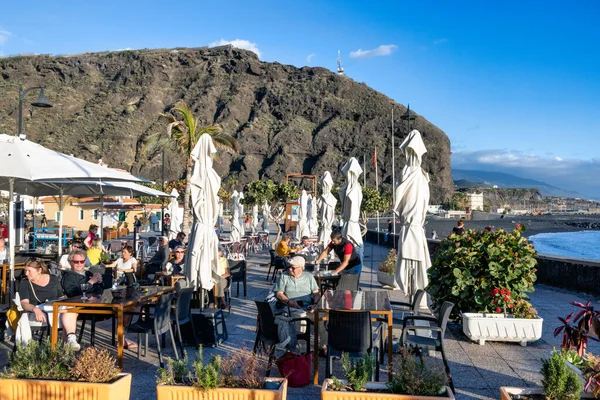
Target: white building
{"x": 457, "y": 214}
{"x": 475, "y": 201}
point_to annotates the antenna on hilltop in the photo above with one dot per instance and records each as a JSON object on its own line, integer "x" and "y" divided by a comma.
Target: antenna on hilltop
{"x": 340, "y": 68}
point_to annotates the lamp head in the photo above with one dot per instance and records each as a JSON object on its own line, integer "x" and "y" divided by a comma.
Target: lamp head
{"x": 409, "y": 115}
{"x": 41, "y": 101}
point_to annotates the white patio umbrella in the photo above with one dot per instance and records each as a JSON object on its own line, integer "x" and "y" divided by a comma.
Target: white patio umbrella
{"x": 254, "y": 219}
{"x": 173, "y": 210}
{"x": 302, "y": 226}
{"x": 327, "y": 208}
{"x": 351, "y": 198}
{"x": 412, "y": 198}
{"x": 266, "y": 210}
{"x": 313, "y": 222}
{"x": 236, "y": 227}
{"x": 241, "y": 217}
{"x": 25, "y": 161}
{"x": 203, "y": 246}
{"x": 220, "y": 217}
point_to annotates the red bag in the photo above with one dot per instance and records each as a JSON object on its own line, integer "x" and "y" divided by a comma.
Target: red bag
{"x": 295, "y": 367}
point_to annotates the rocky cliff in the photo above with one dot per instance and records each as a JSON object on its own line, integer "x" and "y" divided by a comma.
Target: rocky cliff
{"x": 286, "y": 119}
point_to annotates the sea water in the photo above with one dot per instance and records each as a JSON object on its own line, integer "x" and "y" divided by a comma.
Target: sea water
{"x": 585, "y": 244}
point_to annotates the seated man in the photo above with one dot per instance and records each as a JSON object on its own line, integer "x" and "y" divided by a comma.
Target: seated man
{"x": 178, "y": 241}
{"x": 283, "y": 249}
{"x": 344, "y": 249}
{"x": 160, "y": 259}
{"x": 73, "y": 278}
{"x": 296, "y": 288}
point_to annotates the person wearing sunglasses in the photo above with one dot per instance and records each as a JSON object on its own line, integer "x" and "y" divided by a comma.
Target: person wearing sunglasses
{"x": 297, "y": 288}
{"x": 174, "y": 267}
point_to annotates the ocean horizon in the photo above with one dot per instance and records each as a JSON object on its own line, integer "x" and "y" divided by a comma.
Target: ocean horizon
{"x": 583, "y": 244}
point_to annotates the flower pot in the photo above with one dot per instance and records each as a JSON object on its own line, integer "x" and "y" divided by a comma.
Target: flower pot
{"x": 176, "y": 392}
{"x": 18, "y": 389}
{"x": 507, "y": 392}
{"x": 327, "y": 394}
{"x": 496, "y": 327}
{"x": 387, "y": 279}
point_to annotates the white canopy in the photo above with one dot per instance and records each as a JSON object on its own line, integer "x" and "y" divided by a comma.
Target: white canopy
{"x": 254, "y": 219}
{"x": 241, "y": 215}
{"x": 302, "y": 226}
{"x": 412, "y": 198}
{"x": 173, "y": 211}
{"x": 203, "y": 246}
{"x": 351, "y": 197}
{"x": 236, "y": 227}
{"x": 266, "y": 210}
{"x": 327, "y": 208}
{"x": 313, "y": 222}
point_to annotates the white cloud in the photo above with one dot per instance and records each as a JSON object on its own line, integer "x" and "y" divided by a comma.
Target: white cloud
{"x": 383, "y": 50}
{"x": 125, "y": 49}
{"x": 239, "y": 43}
{"x": 4, "y": 35}
{"x": 440, "y": 41}
{"x": 310, "y": 57}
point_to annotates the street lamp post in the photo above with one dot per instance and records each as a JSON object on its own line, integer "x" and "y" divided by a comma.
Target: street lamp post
{"x": 407, "y": 117}
{"x": 41, "y": 102}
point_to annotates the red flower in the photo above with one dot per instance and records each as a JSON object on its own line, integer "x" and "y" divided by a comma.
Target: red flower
{"x": 511, "y": 306}
{"x": 495, "y": 292}
{"x": 506, "y": 298}
{"x": 508, "y": 292}
{"x": 503, "y": 291}
{"x": 498, "y": 310}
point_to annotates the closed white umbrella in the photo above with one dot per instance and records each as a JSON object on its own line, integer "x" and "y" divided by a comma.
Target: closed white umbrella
{"x": 173, "y": 210}
{"x": 25, "y": 161}
{"x": 412, "y": 198}
{"x": 203, "y": 246}
{"x": 220, "y": 217}
{"x": 313, "y": 222}
{"x": 266, "y": 210}
{"x": 241, "y": 206}
{"x": 351, "y": 198}
{"x": 236, "y": 227}
{"x": 302, "y": 226}
{"x": 254, "y": 219}
{"x": 327, "y": 208}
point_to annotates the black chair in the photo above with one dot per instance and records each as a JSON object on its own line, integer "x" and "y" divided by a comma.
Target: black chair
{"x": 158, "y": 324}
{"x": 238, "y": 272}
{"x": 182, "y": 313}
{"x": 436, "y": 343}
{"x": 277, "y": 264}
{"x": 351, "y": 332}
{"x": 266, "y": 332}
{"x": 346, "y": 282}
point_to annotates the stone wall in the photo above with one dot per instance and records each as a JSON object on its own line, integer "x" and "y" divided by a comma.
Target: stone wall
{"x": 562, "y": 272}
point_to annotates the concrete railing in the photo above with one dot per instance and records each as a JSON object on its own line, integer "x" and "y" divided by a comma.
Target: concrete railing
{"x": 574, "y": 274}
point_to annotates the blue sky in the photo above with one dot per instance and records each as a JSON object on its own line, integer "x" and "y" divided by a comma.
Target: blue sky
{"x": 515, "y": 85}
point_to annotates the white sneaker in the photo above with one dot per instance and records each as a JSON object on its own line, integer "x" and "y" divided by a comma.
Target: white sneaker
{"x": 72, "y": 342}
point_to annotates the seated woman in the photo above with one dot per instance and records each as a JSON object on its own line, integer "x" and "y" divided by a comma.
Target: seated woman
{"x": 223, "y": 282}
{"x": 95, "y": 251}
{"x": 175, "y": 267}
{"x": 297, "y": 288}
{"x": 39, "y": 288}
{"x": 125, "y": 263}
{"x": 283, "y": 249}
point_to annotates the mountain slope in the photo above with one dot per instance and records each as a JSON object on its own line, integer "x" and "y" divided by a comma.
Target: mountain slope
{"x": 286, "y": 119}
{"x": 503, "y": 180}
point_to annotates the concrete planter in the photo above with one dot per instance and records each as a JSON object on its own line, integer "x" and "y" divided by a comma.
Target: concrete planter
{"x": 498, "y": 328}
{"x": 166, "y": 392}
{"x": 32, "y": 389}
{"x": 327, "y": 394}
{"x": 387, "y": 279}
{"x": 507, "y": 392}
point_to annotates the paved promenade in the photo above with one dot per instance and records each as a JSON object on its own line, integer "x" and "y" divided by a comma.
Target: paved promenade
{"x": 478, "y": 370}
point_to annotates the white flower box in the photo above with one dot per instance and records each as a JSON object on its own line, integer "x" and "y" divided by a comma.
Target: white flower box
{"x": 496, "y": 327}
{"x": 388, "y": 280}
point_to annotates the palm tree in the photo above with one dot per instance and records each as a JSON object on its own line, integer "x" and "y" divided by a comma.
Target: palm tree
{"x": 181, "y": 136}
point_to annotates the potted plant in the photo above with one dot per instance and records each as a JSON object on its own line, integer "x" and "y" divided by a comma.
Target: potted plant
{"x": 488, "y": 275}
{"x": 387, "y": 269}
{"x": 240, "y": 376}
{"x": 413, "y": 377}
{"x": 38, "y": 371}
{"x": 560, "y": 383}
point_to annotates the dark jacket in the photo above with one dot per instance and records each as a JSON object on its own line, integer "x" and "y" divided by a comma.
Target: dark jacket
{"x": 161, "y": 257}
{"x": 72, "y": 280}
{"x": 339, "y": 251}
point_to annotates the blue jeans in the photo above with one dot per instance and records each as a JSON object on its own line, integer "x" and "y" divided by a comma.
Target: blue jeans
{"x": 357, "y": 269}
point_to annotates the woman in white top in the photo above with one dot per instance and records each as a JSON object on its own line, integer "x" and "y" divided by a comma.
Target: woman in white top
{"x": 126, "y": 263}
{"x": 3, "y": 250}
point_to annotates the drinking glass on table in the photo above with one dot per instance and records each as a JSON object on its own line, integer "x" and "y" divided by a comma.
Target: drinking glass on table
{"x": 84, "y": 288}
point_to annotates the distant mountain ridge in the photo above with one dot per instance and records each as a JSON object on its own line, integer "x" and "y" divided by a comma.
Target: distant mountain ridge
{"x": 472, "y": 178}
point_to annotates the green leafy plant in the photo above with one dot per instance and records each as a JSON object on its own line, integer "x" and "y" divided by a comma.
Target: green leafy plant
{"x": 39, "y": 361}
{"x": 560, "y": 382}
{"x": 415, "y": 375}
{"x": 96, "y": 366}
{"x": 389, "y": 264}
{"x": 206, "y": 376}
{"x": 175, "y": 372}
{"x": 358, "y": 370}
{"x": 468, "y": 267}
{"x": 592, "y": 374}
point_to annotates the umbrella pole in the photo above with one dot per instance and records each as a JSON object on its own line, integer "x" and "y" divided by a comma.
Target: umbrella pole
{"x": 102, "y": 217}
{"x": 11, "y": 232}
{"x": 60, "y": 219}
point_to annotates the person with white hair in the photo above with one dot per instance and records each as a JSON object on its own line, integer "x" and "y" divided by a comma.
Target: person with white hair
{"x": 160, "y": 259}
{"x": 296, "y": 287}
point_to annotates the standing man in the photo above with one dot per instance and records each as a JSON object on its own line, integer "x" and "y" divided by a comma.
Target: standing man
{"x": 137, "y": 224}
{"x": 459, "y": 229}
{"x": 390, "y": 226}
{"x": 346, "y": 252}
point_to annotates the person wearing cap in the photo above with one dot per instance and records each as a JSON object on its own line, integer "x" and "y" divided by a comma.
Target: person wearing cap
{"x": 297, "y": 288}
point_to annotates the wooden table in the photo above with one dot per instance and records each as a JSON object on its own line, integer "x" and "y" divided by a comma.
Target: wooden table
{"x": 106, "y": 304}
{"x": 375, "y": 301}
{"x": 5, "y": 269}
